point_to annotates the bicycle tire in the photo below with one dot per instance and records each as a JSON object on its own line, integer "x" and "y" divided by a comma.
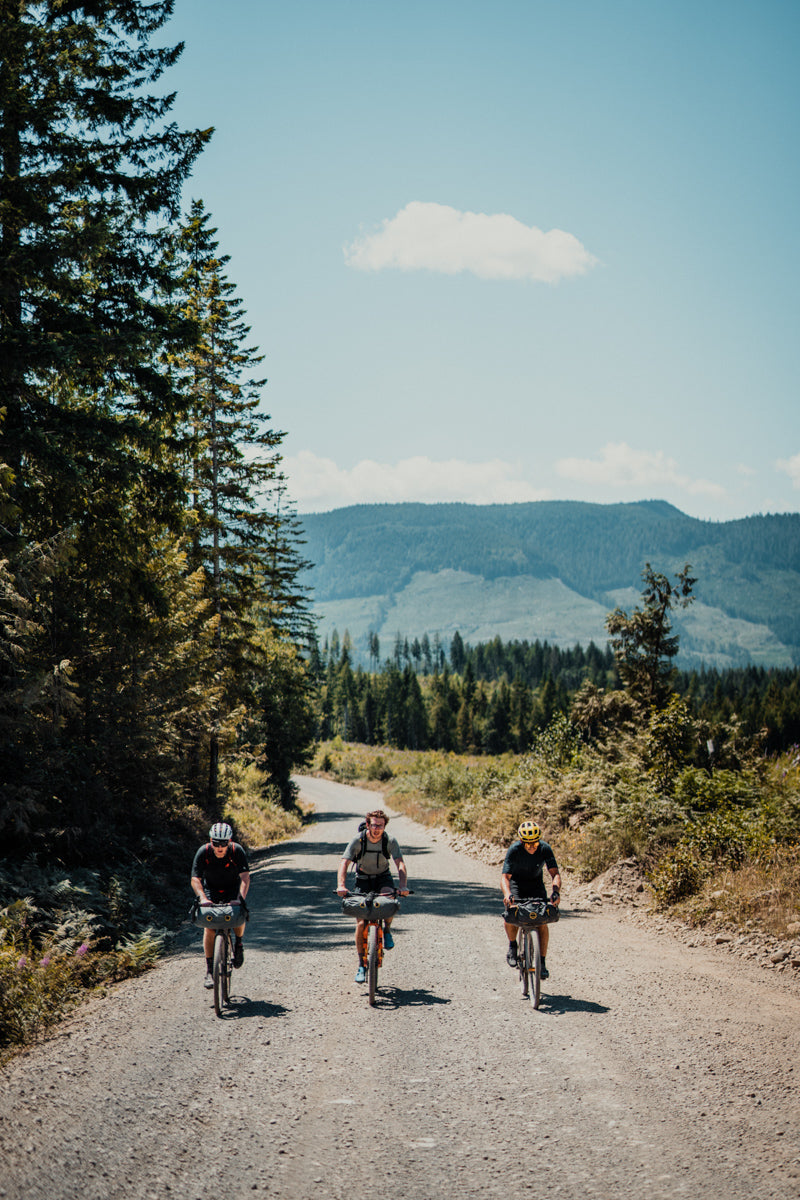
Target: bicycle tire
{"x": 227, "y": 969}
{"x": 372, "y": 962}
{"x": 219, "y": 972}
{"x": 535, "y": 972}
{"x": 523, "y": 958}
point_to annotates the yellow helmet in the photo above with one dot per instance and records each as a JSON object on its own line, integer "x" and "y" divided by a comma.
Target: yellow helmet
{"x": 528, "y": 832}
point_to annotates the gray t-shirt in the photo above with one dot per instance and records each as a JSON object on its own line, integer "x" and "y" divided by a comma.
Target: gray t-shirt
{"x": 374, "y": 862}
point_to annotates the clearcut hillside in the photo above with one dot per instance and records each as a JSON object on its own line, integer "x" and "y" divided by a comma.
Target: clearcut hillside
{"x": 551, "y": 571}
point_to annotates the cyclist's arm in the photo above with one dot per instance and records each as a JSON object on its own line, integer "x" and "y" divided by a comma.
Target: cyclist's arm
{"x": 341, "y": 886}
{"x": 402, "y": 874}
{"x": 244, "y": 883}
{"x": 199, "y": 891}
{"x": 556, "y": 878}
{"x": 505, "y": 883}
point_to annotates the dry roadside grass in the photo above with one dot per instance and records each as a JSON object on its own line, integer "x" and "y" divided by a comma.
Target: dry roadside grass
{"x": 763, "y": 896}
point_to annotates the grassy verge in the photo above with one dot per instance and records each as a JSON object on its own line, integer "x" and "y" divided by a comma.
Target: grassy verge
{"x": 716, "y": 847}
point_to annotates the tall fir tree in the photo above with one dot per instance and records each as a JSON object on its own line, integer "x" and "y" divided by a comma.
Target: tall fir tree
{"x": 90, "y": 178}
{"x": 241, "y": 528}
{"x": 90, "y": 175}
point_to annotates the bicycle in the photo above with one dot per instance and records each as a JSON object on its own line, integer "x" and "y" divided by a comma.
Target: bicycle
{"x": 223, "y": 921}
{"x": 531, "y": 914}
{"x": 372, "y": 959}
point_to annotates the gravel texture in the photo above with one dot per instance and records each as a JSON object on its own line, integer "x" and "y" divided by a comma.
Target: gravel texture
{"x": 654, "y": 1069}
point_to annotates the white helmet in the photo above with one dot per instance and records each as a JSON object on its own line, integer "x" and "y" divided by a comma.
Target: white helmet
{"x": 221, "y": 832}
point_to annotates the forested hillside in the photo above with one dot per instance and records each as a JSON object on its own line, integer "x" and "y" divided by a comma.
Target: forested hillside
{"x": 552, "y": 570}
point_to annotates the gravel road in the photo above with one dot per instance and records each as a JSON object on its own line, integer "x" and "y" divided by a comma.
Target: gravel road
{"x": 651, "y": 1071}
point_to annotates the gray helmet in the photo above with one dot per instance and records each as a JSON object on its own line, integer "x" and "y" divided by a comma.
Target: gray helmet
{"x": 221, "y": 832}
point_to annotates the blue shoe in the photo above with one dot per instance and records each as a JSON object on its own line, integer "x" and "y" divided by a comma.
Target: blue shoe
{"x": 361, "y": 975}
{"x": 388, "y": 940}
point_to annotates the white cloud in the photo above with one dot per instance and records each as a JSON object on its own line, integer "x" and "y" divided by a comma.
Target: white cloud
{"x": 792, "y": 468}
{"x": 621, "y": 466}
{"x": 435, "y": 237}
{"x": 318, "y": 484}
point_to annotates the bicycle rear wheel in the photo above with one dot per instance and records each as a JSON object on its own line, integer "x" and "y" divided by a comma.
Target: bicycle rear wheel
{"x": 372, "y": 961}
{"x": 535, "y": 968}
{"x": 220, "y": 971}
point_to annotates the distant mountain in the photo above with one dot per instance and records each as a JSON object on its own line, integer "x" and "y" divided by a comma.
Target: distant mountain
{"x": 552, "y": 570}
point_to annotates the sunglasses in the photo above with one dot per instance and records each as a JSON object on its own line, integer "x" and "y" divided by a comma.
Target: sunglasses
{"x": 376, "y": 825}
{"x": 217, "y": 842}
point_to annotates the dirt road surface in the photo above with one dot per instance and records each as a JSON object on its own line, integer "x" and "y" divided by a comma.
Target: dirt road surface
{"x": 650, "y": 1072}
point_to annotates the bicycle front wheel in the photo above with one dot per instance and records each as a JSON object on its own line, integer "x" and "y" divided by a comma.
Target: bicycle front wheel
{"x": 535, "y": 969}
{"x": 227, "y": 969}
{"x": 523, "y": 958}
{"x": 220, "y": 964}
{"x": 372, "y": 962}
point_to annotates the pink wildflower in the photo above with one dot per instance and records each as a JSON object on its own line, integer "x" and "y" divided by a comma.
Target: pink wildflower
{"x": 81, "y": 950}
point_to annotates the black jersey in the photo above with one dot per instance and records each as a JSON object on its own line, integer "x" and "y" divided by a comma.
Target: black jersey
{"x": 526, "y": 869}
{"x": 220, "y": 876}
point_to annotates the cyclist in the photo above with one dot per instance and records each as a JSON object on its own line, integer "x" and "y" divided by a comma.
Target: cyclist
{"x": 522, "y": 880}
{"x": 220, "y": 874}
{"x": 371, "y": 850}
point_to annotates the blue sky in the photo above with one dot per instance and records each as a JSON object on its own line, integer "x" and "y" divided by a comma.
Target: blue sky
{"x": 512, "y": 250}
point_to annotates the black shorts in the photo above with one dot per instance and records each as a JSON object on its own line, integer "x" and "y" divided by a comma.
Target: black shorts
{"x": 373, "y": 883}
{"x": 525, "y": 893}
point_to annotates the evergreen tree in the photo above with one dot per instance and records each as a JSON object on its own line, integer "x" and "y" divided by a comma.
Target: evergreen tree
{"x": 374, "y": 650}
{"x": 458, "y": 654}
{"x": 643, "y": 643}
{"x": 286, "y": 601}
{"x": 90, "y": 175}
{"x": 232, "y": 462}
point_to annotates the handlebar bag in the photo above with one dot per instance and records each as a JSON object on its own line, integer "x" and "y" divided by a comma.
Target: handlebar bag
{"x": 368, "y": 908}
{"x": 218, "y": 916}
{"x": 528, "y": 914}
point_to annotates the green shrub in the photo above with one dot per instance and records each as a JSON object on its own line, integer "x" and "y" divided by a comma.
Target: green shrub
{"x": 699, "y": 792}
{"x": 558, "y": 745}
{"x": 677, "y": 876}
{"x": 379, "y": 770}
{"x": 347, "y": 770}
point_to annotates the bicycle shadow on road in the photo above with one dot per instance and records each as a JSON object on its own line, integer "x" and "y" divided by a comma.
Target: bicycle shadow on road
{"x": 559, "y": 1006}
{"x": 396, "y": 997}
{"x": 241, "y": 1006}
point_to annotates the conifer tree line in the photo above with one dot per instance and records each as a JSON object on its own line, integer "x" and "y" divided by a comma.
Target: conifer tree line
{"x": 499, "y": 696}
{"x": 151, "y": 618}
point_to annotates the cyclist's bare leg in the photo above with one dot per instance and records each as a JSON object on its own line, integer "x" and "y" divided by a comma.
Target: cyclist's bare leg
{"x": 544, "y": 936}
{"x": 360, "y": 939}
{"x": 208, "y": 939}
